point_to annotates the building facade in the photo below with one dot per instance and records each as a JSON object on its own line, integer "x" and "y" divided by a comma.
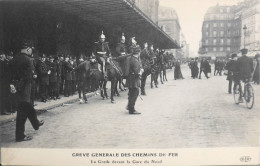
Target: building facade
{"x": 217, "y": 32}
{"x": 223, "y": 29}
{"x": 250, "y": 17}
{"x": 149, "y": 7}
{"x": 168, "y": 20}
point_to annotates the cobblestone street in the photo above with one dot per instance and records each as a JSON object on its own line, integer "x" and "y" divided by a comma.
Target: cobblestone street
{"x": 179, "y": 114}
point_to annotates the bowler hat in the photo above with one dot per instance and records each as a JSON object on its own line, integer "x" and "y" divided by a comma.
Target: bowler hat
{"x": 244, "y": 51}
{"x": 233, "y": 56}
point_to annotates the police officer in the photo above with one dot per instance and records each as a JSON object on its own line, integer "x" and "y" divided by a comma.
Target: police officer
{"x": 134, "y": 71}
{"x": 53, "y": 78}
{"x": 44, "y": 72}
{"x": 21, "y": 68}
{"x": 102, "y": 53}
{"x": 73, "y": 63}
{"x": 59, "y": 73}
{"x": 68, "y": 77}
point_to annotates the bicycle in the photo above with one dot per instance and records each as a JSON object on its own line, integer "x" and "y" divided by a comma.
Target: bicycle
{"x": 248, "y": 94}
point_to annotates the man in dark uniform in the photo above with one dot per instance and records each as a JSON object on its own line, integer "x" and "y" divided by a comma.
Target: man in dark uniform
{"x": 44, "y": 72}
{"x": 121, "y": 47}
{"x": 73, "y": 63}
{"x": 102, "y": 53}
{"x": 59, "y": 72}
{"x": 21, "y": 68}
{"x": 4, "y": 86}
{"x": 134, "y": 71}
{"x": 68, "y": 77}
{"x": 62, "y": 74}
{"x": 34, "y": 77}
{"x": 53, "y": 78}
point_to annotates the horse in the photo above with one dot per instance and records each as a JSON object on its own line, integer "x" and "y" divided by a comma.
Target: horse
{"x": 83, "y": 72}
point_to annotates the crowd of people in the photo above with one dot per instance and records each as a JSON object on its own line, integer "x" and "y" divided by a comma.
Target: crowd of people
{"x": 242, "y": 69}
{"x": 52, "y": 76}
{"x": 196, "y": 71}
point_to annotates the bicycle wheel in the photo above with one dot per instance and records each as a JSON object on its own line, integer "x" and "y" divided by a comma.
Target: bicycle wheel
{"x": 236, "y": 94}
{"x": 249, "y": 96}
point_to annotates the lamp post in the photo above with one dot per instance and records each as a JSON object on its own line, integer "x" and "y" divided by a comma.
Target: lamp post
{"x": 244, "y": 28}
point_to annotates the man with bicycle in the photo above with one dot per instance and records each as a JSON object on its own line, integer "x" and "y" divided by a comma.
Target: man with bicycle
{"x": 245, "y": 69}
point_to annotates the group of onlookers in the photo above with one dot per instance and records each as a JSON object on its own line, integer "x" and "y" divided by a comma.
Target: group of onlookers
{"x": 51, "y": 77}
{"x": 242, "y": 68}
{"x": 196, "y": 71}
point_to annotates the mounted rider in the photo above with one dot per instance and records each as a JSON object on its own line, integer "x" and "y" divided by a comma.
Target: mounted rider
{"x": 152, "y": 55}
{"x": 121, "y": 47}
{"x": 102, "y": 53}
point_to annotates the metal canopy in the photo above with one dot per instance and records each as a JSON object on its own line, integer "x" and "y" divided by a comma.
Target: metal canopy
{"x": 114, "y": 12}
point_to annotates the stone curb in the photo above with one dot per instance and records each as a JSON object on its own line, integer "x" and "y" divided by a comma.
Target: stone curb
{"x": 45, "y": 109}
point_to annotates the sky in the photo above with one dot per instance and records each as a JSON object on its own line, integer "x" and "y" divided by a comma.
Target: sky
{"x": 191, "y": 14}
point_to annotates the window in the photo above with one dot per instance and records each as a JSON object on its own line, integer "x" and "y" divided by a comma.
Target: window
{"x": 214, "y": 33}
{"x": 214, "y": 49}
{"x": 221, "y": 49}
{"x": 214, "y": 42}
{"x": 215, "y": 24}
{"x": 221, "y": 33}
{"x": 228, "y": 41}
{"x": 207, "y": 49}
{"x": 228, "y": 9}
{"x": 221, "y": 10}
{"x": 228, "y": 33}
{"x": 222, "y": 24}
{"x": 207, "y": 33}
{"x": 229, "y": 24}
{"x": 207, "y": 42}
{"x": 221, "y": 41}
{"x": 207, "y": 25}
{"x": 228, "y": 48}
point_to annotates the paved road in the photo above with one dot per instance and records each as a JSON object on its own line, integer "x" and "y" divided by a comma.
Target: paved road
{"x": 179, "y": 114}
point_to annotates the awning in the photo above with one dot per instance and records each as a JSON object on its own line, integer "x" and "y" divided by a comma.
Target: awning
{"x": 122, "y": 13}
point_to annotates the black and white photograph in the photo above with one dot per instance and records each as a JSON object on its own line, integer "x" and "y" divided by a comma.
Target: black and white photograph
{"x": 129, "y": 82}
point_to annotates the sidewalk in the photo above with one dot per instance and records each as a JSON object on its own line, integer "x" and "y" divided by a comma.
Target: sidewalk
{"x": 45, "y": 106}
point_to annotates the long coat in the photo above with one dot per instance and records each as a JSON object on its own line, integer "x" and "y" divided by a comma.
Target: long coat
{"x": 67, "y": 69}
{"x": 42, "y": 70}
{"x": 133, "y": 67}
{"x": 245, "y": 65}
{"x": 21, "y": 68}
{"x": 53, "y": 76}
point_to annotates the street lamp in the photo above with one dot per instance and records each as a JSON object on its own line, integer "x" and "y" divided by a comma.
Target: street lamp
{"x": 244, "y": 28}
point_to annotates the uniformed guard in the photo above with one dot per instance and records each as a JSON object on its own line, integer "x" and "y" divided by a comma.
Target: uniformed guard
{"x": 134, "y": 71}
{"x": 44, "y": 72}
{"x": 59, "y": 73}
{"x": 53, "y": 78}
{"x": 121, "y": 47}
{"x": 102, "y": 53}
{"x": 21, "y": 68}
{"x": 68, "y": 77}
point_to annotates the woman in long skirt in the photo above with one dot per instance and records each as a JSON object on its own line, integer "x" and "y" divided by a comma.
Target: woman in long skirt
{"x": 177, "y": 70}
